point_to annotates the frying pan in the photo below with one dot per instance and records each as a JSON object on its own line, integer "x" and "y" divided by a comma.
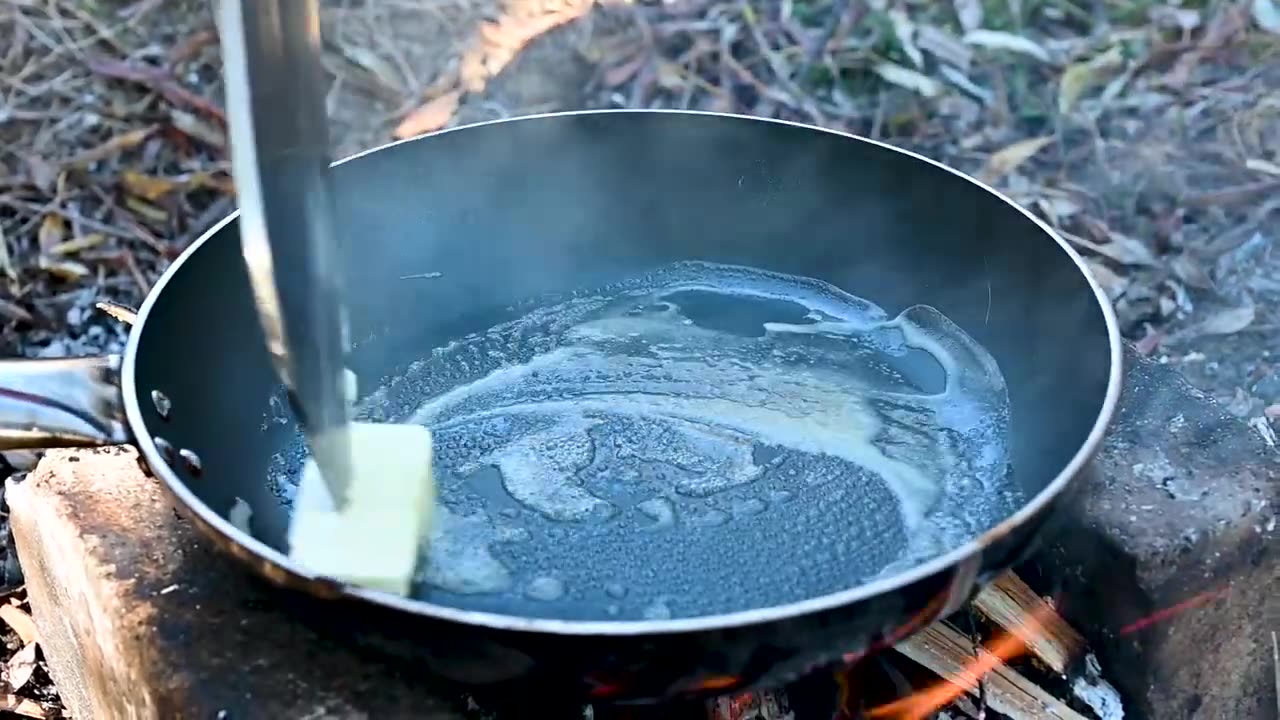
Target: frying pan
{"x": 449, "y": 235}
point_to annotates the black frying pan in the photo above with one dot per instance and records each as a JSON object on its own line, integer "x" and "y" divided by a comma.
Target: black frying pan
{"x": 663, "y": 540}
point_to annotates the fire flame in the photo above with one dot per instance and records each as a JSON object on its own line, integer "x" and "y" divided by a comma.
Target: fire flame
{"x": 1004, "y": 647}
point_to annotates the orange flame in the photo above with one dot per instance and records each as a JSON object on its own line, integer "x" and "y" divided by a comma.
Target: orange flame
{"x": 1002, "y": 648}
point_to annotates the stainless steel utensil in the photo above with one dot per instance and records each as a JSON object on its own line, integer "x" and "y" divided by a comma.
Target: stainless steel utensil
{"x": 280, "y": 161}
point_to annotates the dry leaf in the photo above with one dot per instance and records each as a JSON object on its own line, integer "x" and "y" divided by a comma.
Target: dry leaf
{"x": 962, "y": 81}
{"x": 214, "y": 181}
{"x": 68, "y": 270}
{"x": 669, "y": 75}
{"x": 113, "y": 146}
{"x": 117, "y": 311}
{"x": 1191, "y": 272}
{"x": 619, "y": 74}
{"x": 1224, "y": 26}
{"x": 1262, "y": 166}
{"x": 146, "y": 187}
{"x": 431, "y": 116}
{"x": 21, "y": 666}
{"x": 909, "y": 79}
{"x": 192, "y": 126}
{"x": 1081, "y": 76}
{"x": 969, "y": 13}
{"x": 6, "y": 261}
{"x": 944, "y": 46}
{"x": 905, "y": 31}
{"x": 1057, "y": 209}
{"x": 1225, "y": 322}
{"x": 1007, "y": 160}
{"x": 24, "y": 707}
{"x": 80, "y": 244}
{"x": 1183, "y": 19}
{"x": 43, "y": 173}
{"x": 1267, "y": 15}
{"x": 147, "y": 211}
{"x": 1112, "y": 284}
{"x": 375, "y": 66}
{"x": 1121, "y": 248}
{"x": 1268, "y": 434}
{"x": 997, "y": 40}
{"x": 21, "y": 623}
{"x": 53, "y": 229}
{"x": 13, "y": 311}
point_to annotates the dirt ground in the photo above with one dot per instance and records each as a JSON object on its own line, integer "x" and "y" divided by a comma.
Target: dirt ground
{"x": 1147, "y": 132}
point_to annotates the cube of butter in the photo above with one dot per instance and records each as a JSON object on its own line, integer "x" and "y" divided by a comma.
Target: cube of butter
{"x": 374, "y": 541}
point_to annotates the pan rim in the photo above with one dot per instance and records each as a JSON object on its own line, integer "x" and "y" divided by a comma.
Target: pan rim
{"x": 956, "y": 557}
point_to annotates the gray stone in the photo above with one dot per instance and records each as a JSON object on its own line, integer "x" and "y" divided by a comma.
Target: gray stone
{"x": 140, "y": 618}
{"x": 1169, "y": 561}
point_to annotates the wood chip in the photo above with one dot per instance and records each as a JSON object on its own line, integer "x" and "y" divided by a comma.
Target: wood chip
{"x": 1008, "y": 601}
{"x": 21, "y": 623}
{"x": 21, "y": 667}
{"x": 949, "y": 654}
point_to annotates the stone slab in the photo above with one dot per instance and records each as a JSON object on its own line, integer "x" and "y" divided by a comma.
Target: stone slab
{"x": 140, "y": 618}
{"x": 1170, "y": 562}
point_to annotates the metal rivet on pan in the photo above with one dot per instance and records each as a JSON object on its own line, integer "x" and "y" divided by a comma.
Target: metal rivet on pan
{"x": 162, "y": 403}
{"x": 165, "y": 449}
{"x": 192, "y": 460}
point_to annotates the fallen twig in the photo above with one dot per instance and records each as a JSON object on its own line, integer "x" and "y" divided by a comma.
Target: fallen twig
{"x": 158, "y": 79}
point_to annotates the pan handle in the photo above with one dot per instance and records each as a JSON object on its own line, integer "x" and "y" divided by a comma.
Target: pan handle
{"x": 61, "y": 402}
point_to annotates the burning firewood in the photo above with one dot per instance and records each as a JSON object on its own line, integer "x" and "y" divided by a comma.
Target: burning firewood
{"x": 957, "y": 678}
{"x": 1008, "y": 601}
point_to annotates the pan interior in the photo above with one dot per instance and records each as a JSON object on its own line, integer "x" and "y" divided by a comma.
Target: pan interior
{"x": 655, "y": 447}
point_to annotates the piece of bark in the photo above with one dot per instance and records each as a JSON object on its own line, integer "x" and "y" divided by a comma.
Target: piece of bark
{"x": 139, "y": 617}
